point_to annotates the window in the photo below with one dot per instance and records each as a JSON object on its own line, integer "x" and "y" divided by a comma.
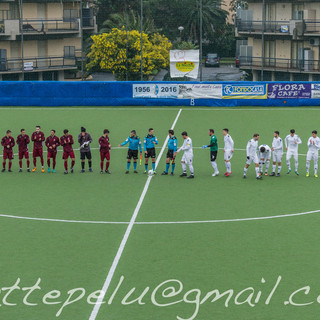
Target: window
{"x": 69, "y": 52}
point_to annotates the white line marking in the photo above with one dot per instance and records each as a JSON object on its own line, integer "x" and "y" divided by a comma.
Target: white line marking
{"x": 116, "y": 260}
{"x": 161, "y": 222}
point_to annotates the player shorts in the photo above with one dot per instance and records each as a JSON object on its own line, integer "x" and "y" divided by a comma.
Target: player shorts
{"x": 24, "y": 154}
{"x": 105, "y": 155}
{"x": 265, "y": 156}
{"x": 187, "y": 158}
{"x": 253, "y": 159}
{"x": 228, "y": 154}
{"x": 132, "y": 154}
{"x": 213, "y": 155}
{"x": 170, "y": 154}
{"x": 37, "y": 153}
{"x": 277, "y": 156}
{"x": 7, "y": 155}
{"x": 292, "y": 153}
{"x": 312, "y": 155}
{"x": 151, "y": 153}
{"x": 84, "y": 155}
{"x": 66, "y": 155}
{"x": 51, "y": 155}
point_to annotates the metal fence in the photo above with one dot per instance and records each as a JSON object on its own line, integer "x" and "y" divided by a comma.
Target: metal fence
{"x": 49, "y": 26}
{"x": 252, "y": 26}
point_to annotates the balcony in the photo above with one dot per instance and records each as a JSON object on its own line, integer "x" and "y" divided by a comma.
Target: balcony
{"x": 37, "y": 64}
{"x": 312, "y": 27}
{"x": 44, "y": 27}
{"x": 269, "y": 27}
{"x": 279, "y": 64}
{"x": 1, "y": 27}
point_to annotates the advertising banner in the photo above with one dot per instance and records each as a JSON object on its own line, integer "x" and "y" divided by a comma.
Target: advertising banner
{"x": 200, "y": 91}
{"x": 184, "y": 63}
{"x": 155, "y": 90}
{"x": 289, "y": 90}
{"x": 246, "y": 91}
{"x": 315, "y": 91}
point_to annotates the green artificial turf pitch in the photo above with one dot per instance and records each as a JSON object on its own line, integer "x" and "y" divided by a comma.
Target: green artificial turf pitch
{"x": 246, "y": 256}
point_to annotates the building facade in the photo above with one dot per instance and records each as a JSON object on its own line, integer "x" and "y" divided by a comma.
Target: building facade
{"x": 41, "y": 40}
{"x": 291, "y": 33}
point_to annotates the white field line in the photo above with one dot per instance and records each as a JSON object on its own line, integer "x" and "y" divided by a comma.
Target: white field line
{"x": 116, "y": 260}
{"x": 162, "y": 222}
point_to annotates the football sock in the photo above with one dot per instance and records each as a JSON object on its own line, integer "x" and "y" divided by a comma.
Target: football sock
{"x": 214, "y": 166}
{"x": 72, "y": 163}
{"x": 20, "y": 164}
{"x": 167, "y": 167}
{"x": 296, "y": 164}
{"x": 229, "y": 166}
{"x": 257, "y": 171}
{"x": 101, "y": 165}
{"x": 153, "y": 166}
{"x": 4, "y": 164}
{"x": 308, "y": 166}
{"x": 184, "y": 167}
{"x": 90, "y": 164}
{"x": 41, "y": 161}
{"x": 146, "y": 167}
{"x": 172, "y": 167}
{"x": 82, "y": 165}
{"x": 279, "y": 169}
{"x": 245, "y": 171}
{"x": 66, "y": 165}
{"x": 267, "y": 165}
{"x": 28, "y": 163}
{"x": 10, "y": 164}
{"x": 226, "y": 164}
{"x": 48, "y": 163}
{"x": 191, "y": 169}
{"x": 288, "y": 164}
{"x": 107, "y": 165}
{"x": 261, "y": 166}
{"x": 128, "y": 165}
{"x": 135, "y": 166}
{"x": 54, "y": 163}
{"x": 273, "y": 168}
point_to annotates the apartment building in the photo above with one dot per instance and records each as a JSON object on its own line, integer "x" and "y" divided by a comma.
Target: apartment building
{"x": 41, "y": 39}
{"x": 291, "y": 33}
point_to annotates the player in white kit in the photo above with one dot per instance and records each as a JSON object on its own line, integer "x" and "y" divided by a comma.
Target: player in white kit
{"x": 264, "y": 156}
{"x": 313, "y": 152}
{"x": 277, "y": 149}
{"x": 292, "y": 141}
{"x": 228, "y": 151}
{"x": 252, "y": 156}
{"x": 187, "y": 157}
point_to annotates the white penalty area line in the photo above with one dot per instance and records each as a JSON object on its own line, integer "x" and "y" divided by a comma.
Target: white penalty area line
{"x": 116, "y": 260}
{"x": 161, "y": 222}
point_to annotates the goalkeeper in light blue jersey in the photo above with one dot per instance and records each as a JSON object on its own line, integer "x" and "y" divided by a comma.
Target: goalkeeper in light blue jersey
{"x": 172, "y": 148}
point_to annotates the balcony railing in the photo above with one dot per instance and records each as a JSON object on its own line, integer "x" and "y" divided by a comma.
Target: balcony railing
{"x": 37, "y": 64}
{"x": 312, "y": 26}
{"x": 280, "y": 64}
{"x": 252, "y": 26}
{"x": 50, "y": 26}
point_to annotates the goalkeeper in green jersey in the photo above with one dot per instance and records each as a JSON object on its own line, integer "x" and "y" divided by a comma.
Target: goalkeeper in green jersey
{"x": 213, "y": 151}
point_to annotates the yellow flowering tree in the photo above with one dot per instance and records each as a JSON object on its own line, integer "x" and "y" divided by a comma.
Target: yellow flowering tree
{"x": 109, "y": 53}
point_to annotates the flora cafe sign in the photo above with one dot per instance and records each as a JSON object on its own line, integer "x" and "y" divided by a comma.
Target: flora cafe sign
{"x": 184, "y": 63}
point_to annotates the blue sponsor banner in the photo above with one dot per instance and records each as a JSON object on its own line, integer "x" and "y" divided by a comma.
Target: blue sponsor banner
{"x": 289, "y": 90}
{"x": 245, "y": 91}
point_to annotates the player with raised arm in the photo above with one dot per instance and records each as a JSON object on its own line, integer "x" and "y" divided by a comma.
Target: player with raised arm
{"x": 172, "y": 148}
{"x": 84, "y": 138}
{"x": 38, "y": 138}
{"x": 8, "y": 143}
{"x": 213, "y": 151}
{"x": 105, "y": 147}
{"x": 134, "y": 147}
{"x": 292, "y": 141}
{"x": 264, "y": 157}
{"x": 228, "y": 151}
{"x": 149, "y": 143}
{"x": 252, "y": 156}
{"x": 187, "y": 155}
{"x": 66, "y": 142}
{"x": 313, "y": 153}
{"x": 22, "y": 141}
{"x": 52, "y": 143}
{"x": 277, "y": 149}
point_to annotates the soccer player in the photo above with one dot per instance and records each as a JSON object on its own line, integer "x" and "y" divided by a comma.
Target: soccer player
{"x": 52, "y": 143}
{"x": 252, "y": 156}
{"x": 134, "y": 144}
{"x": 67, "y": 141}
{"x": 313, "y": 153}
{"x": 22, "y": 141}
{"x": 149, "y": 143}
{"x": 84, "y": 138}
{"x": 187, "y": 155}
{"x": 213, "y": 151}
{"x": 292, "y": 141}
{"x": 264, "y": 156}
{"x": 277, "y": 149}
{"x": 105, "y": 147}
{"x": 8, "y": 143}
{"x": 172, "y": 148}
{"x": 228, "y": 151}
{"x": 38, "y": 138}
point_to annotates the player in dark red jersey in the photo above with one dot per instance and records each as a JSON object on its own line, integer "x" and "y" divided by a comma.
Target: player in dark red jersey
{"x": 105, "y": 147}
{"x": 38, "y": 138}
{"x": 8, "y": 143}
{"x": 67, "y": 141}
{"x": 52, "y": 143}
{"x": 22, "y": 141}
